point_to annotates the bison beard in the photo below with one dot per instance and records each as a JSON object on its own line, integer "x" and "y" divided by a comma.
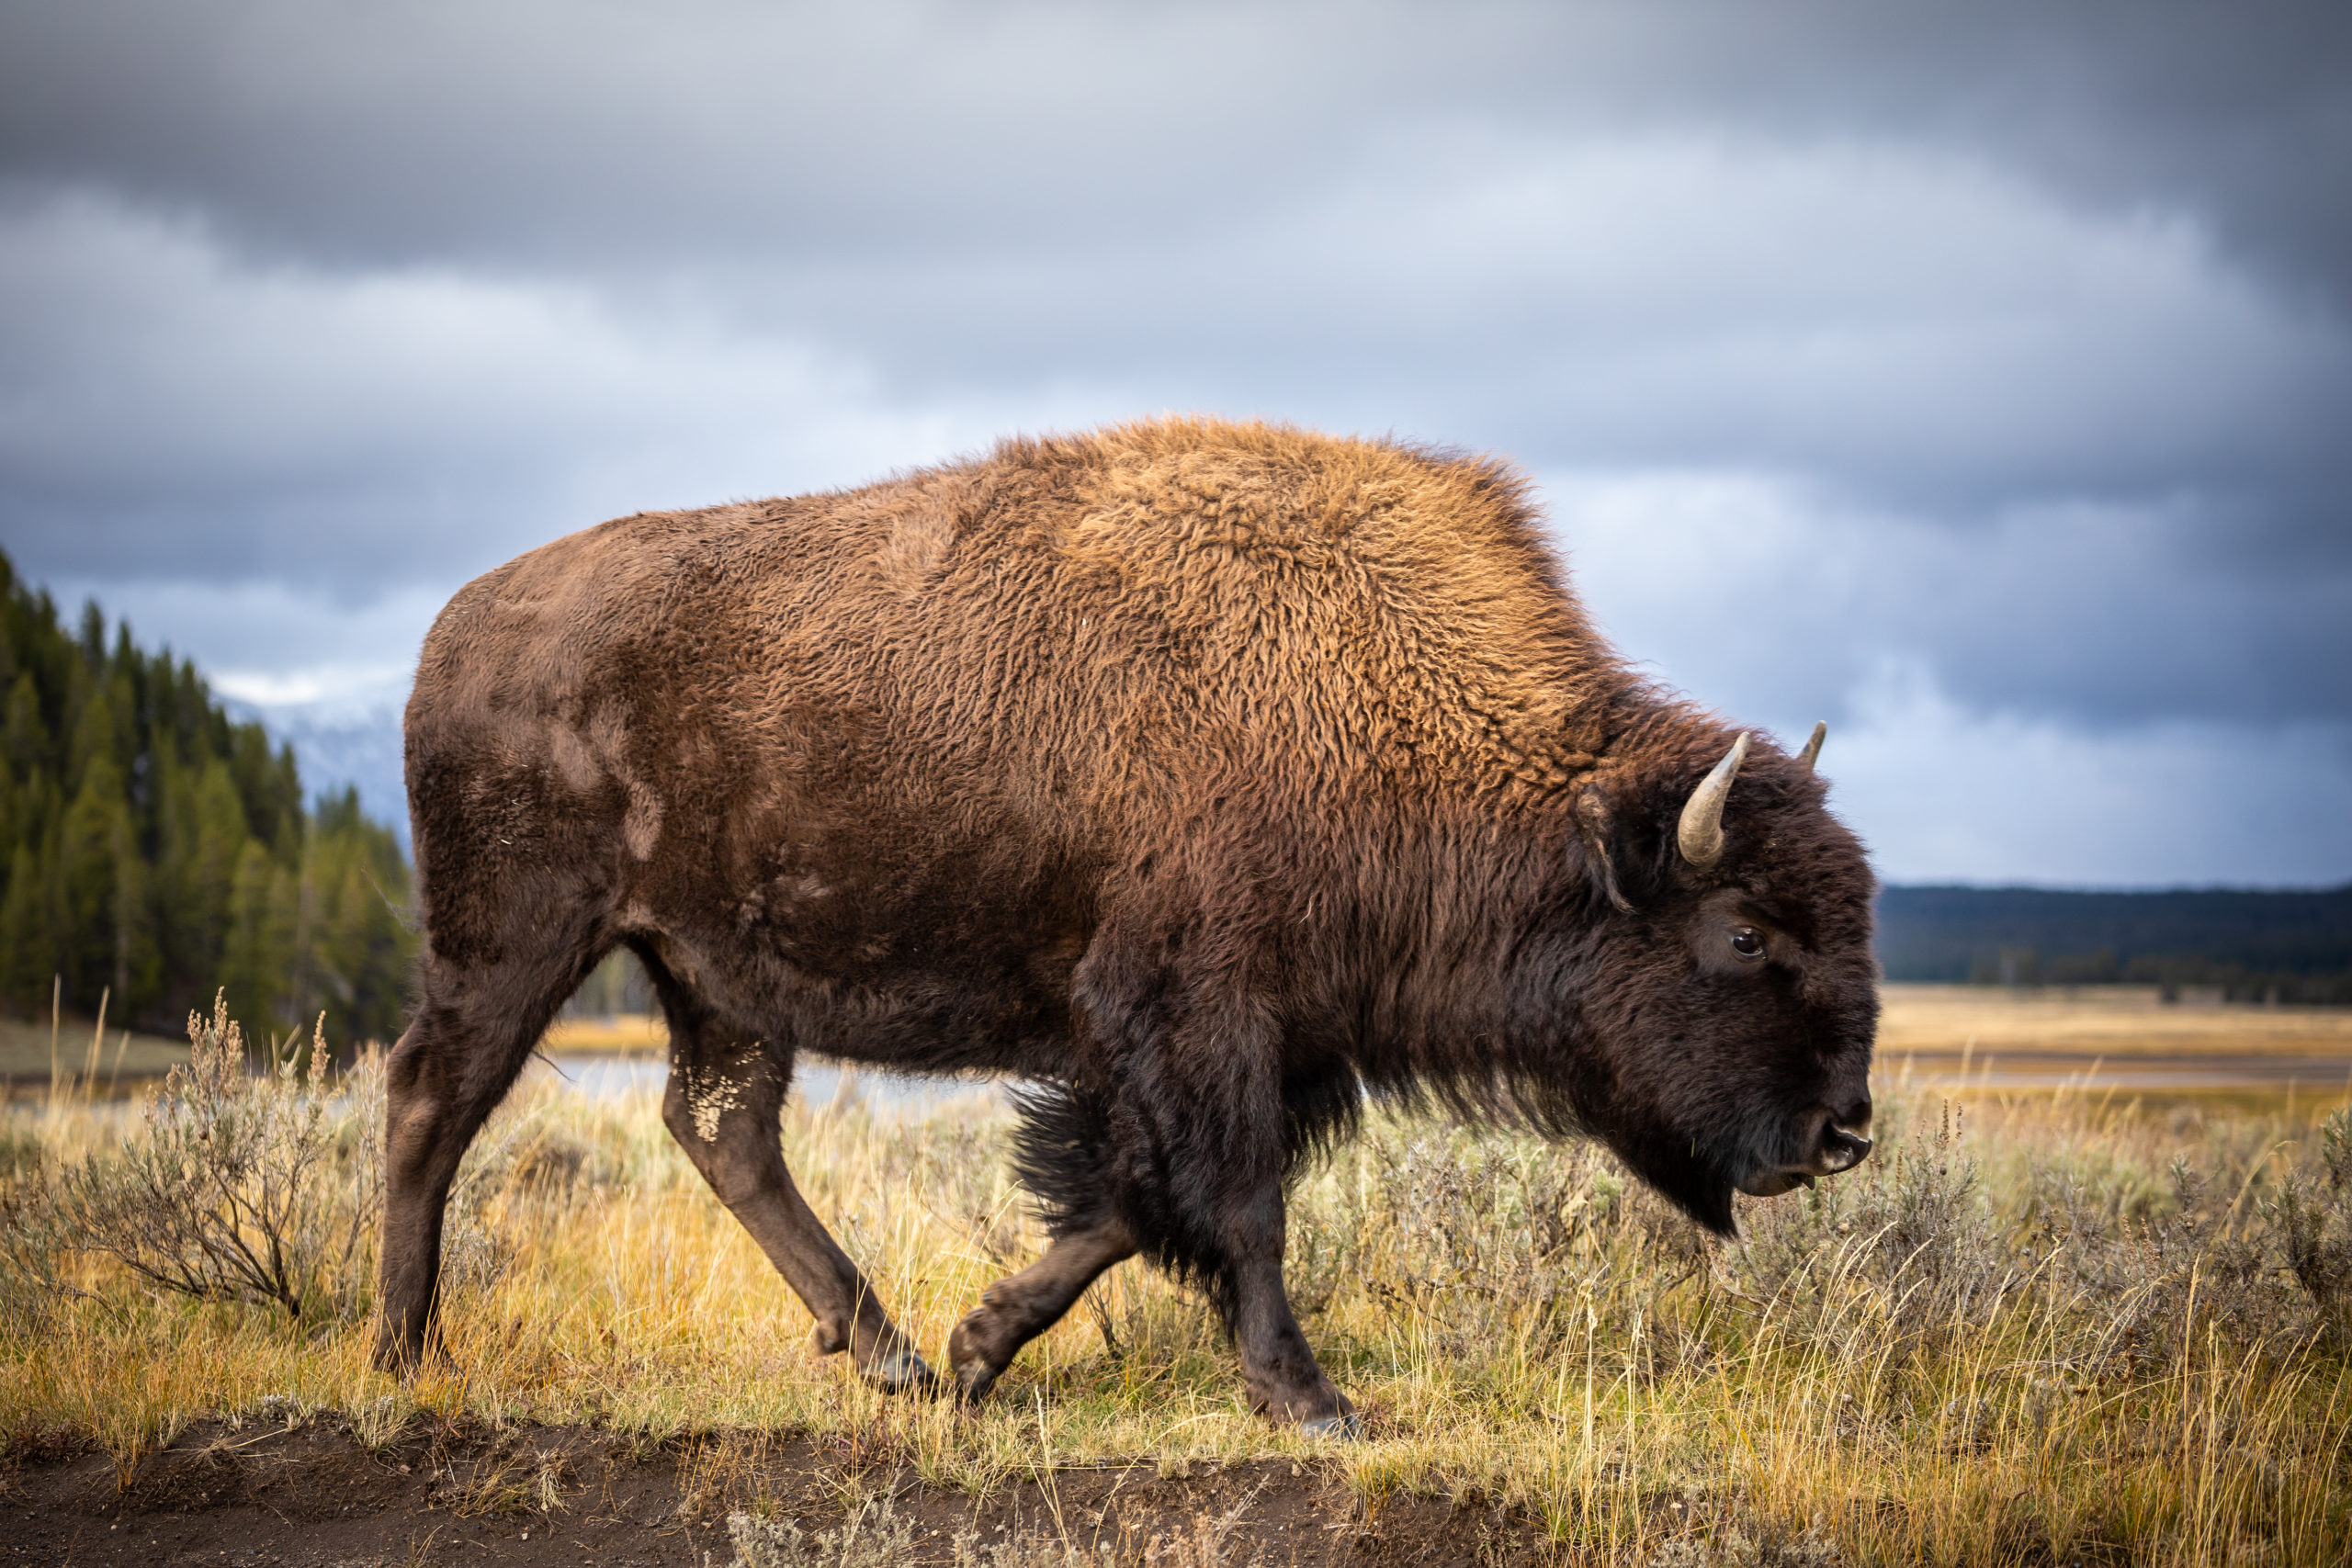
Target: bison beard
{"x": 1206, "y": 776}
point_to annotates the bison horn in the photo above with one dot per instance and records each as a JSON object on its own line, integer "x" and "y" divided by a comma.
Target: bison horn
{"x": 1812, "y": 752}
{"x": 1701, "y": 833}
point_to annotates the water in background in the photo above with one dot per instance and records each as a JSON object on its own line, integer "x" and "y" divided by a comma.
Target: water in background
{"x": 813, "y": 1083}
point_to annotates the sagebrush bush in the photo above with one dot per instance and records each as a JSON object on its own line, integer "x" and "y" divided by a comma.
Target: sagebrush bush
{"x": 2311, "y": 1212}
{"x": 250, "y": 1186}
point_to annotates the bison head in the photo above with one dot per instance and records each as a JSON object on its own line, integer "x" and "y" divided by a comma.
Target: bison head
{"x": 1731, "y": 1000}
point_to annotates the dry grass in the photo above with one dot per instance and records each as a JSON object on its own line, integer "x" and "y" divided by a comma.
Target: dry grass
{"x": 2116, "y": 1021}
{"x": 77, "y": 1054}
{"x": 2057, "y": 1325}
{"x": 872, "y": 1535}
{"x": 627, "y": 1033}
{"x": 2129, "y": 1020}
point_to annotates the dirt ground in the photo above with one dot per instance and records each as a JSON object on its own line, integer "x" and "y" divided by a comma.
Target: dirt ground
{"x": 312, "y": 1495}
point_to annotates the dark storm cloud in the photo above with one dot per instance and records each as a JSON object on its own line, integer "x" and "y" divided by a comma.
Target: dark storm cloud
{"x": 550, "y": 132}
{"x": 1984, "y": 362}
{"x": 962, "y": 193}
{"x": 2108, "y": 617}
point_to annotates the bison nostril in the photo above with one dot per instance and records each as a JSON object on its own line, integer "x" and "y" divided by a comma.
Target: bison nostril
{"x": 1844, "y": 1149}
{"x": 1855, "y": 1118}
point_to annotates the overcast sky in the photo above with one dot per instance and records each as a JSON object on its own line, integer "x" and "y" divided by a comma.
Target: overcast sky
{"x": 1978, "y": 377}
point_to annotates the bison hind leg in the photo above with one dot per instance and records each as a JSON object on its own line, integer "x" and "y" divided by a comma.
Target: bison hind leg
{"x": 722, "y": 1104}
{"x": 473, "y": 1030}
{"x": 1058, "y": 1155}
{"x": 1080, "y": 1163}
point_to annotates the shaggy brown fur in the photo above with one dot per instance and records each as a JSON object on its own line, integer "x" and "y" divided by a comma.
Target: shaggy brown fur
{"x": 1204, "y": 774}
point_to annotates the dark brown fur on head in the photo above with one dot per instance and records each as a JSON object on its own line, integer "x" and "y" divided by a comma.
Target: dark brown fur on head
{"x": 1721, "y": 1067}
{"x": 1201, "y": 774}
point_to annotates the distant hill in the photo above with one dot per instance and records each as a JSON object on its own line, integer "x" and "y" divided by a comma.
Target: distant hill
{"x": 2295, "y": 946}
{"x": 353, "y": 743}
{"x": 153, "y": 849}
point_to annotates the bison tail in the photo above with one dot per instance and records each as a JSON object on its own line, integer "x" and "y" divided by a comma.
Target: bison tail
{"x": 1060, "y": 1152}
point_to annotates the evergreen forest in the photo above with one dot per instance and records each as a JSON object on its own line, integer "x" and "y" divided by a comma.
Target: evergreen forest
{"x": 154, "y": 850}
{"x": 2279, "y": 947}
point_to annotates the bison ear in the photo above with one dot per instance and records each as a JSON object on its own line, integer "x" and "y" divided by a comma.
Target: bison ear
{"x": 1597, "y": 827}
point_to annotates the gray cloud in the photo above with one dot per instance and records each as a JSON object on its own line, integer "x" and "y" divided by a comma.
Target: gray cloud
{"x": 2100, "y": 617}
{"x": 601, "y": 134}
{"x": 1985, "y": 364}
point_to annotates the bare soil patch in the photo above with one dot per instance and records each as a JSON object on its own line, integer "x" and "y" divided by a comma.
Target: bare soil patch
{"x": 313, "y": 1495}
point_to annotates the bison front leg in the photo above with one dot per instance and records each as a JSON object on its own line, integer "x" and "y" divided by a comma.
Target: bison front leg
{"x": 722, "y": 1105}
{"x": 1196, "y": 1137}
{"x": 1278, "y": 1367}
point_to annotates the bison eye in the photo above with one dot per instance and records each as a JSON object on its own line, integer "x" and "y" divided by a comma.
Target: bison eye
{"x": 1748, "y": 942}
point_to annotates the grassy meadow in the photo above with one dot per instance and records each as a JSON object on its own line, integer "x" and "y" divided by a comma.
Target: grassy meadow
{"x": 2038, "y": 1325}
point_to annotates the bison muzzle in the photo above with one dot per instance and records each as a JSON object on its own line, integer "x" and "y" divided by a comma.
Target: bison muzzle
{"x": 1208, "y": 778}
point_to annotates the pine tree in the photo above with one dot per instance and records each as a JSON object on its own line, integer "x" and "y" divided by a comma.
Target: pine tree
{"x": 257, "y": 950}
{"x": 28, "y": 955}
{"x": 361, "y": 947}
{"x": 25, "y": 736}
{"x": 89, "y": 883}
{"x": 153, "y": 850}
{"x": 202, "y": 834}
{"x": 138, "y": 953}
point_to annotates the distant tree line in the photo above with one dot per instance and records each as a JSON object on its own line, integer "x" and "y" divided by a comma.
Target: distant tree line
{"x": 618, "y": 985}
{"x": 153, "y": 850}
{"x": 2288, "y": 947}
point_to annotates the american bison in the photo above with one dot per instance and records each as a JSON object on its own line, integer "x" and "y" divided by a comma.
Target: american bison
{"x": 1208, "y": 777}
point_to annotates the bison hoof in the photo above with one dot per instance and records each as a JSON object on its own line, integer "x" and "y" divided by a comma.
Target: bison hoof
{"x": 405, "y": 1361}
{"x": 900, "y": 1371}
{"x": 975, "y": 1369}
{"x": 1345, "y": 1426}
{"x": 973, "y": 1378}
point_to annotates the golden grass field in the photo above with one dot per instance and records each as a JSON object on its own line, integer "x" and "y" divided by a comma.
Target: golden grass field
{"x": 2091, "y": 1035}
{"x": 32, "y": 1053}
{"x": 2117, "y": 1022}
{"x": 2039, "y": 1325}
{"x": 1943, "y": 1033}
